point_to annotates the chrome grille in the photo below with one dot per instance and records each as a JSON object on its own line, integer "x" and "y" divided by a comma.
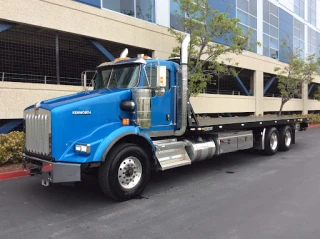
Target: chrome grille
{"x": 38, "y": 131}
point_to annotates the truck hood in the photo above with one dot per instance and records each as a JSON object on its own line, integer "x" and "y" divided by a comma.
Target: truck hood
{"x": 81, "y": 96}
{"x": 86, "y": 117}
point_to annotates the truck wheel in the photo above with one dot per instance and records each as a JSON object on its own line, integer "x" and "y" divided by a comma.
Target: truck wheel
{"x": 271, "y": 143}
{"x": 125, "y": 172}
{"x": 285, "y": 135}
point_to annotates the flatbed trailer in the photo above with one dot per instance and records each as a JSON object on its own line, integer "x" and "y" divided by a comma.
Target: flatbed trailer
{"x": 238, "y": 123}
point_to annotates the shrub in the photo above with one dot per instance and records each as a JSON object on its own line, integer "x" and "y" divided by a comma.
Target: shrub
{"x": 313, "y": 118}
{"x": 11, "y": 147}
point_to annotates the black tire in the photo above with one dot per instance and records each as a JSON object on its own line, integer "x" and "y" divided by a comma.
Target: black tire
{"x": 268, "y": 150}
{"x": 283, "y": 146}
{"x": 108, "y": 172}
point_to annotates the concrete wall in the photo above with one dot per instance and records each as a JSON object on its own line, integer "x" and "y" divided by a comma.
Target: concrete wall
{"x": 15, "y": 97}
{"x": 206, "y": 103}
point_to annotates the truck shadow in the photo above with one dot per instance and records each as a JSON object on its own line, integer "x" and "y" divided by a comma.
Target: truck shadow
{"x": 87, "y": 194}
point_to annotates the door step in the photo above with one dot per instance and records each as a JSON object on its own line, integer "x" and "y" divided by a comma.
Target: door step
{"x": 171, "y": 154}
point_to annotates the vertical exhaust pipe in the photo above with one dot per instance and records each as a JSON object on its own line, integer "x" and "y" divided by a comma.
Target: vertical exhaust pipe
{"x": 184, "y": 86}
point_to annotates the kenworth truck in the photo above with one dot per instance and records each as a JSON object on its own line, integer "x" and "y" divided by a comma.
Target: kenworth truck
{"x": 137, "y": 119}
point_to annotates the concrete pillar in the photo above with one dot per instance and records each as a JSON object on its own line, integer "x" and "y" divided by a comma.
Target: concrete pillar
{"x": 305, "y": 100}
{"x": 258, "y": 92}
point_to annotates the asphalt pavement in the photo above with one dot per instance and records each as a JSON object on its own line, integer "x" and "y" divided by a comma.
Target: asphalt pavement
{"x": 243, "y": 195}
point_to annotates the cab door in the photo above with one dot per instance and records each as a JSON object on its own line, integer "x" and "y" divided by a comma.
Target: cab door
{"x": 162, "y": 110}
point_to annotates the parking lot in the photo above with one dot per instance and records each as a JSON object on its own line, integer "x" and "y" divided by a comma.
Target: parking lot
{"x": 242, "y": 195}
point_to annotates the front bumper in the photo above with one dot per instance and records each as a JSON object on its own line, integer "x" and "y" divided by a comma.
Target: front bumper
{"x": 50, "y": 172}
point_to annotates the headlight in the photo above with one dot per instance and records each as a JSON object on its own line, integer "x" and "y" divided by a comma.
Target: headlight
{"x": 82, "y": 148}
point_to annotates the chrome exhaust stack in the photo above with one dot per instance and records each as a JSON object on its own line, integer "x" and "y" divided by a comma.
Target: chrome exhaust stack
{"x": 183, "y": 113}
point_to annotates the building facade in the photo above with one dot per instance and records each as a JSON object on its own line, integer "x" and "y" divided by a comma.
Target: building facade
{"x": 46, "y": 44}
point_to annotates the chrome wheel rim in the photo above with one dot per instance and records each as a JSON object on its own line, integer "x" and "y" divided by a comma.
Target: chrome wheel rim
{"x": 129, "y": 172}
{"x": 287, "y": 138}
{"x": 274, "y": 141}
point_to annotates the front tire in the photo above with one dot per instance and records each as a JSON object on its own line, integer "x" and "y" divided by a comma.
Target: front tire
{"x": 271, "y": 143}
{"x": 125, "y": 172}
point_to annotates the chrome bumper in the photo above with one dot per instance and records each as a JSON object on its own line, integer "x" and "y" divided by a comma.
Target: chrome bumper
{"x": 50, "y": 172}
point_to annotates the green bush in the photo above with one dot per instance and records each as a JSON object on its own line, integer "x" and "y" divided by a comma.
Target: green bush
{"x": 11, "y": 147}
{"x": 313, "y": 118}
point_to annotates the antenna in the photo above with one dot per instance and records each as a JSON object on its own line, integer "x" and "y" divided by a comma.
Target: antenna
{"x": 124, "y": 53}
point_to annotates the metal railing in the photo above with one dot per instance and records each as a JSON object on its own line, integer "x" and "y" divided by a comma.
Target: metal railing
{"x": 221, "y": 92}
{"x": 279, "y": 96}
{"x": 42, "y": 79}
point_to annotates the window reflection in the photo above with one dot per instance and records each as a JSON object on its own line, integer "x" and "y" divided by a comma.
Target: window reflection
{"x": 144, "y": 8}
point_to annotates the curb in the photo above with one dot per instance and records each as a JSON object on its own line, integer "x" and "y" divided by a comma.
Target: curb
{"x": 13, "y": 174}
{"x": 314, "y": 126}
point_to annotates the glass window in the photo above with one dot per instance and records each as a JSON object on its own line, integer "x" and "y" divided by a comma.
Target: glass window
{"x": 296, "y": 33}
{"x": 266, "y": 28}
{"x": 295, "y": 42}
{"x": 247, "y": 12}
{"x": 266, "y": 11}
{"x": 274, "y": 53}
{"x": 243, "y": 5}
{"x": 122, "y": 6}
{"x": 273, "y": 20}
{"x": 244, "y": 17}
{"x": 175, "y": 20}
{"x": 270, "y": 29}
{"x": 273, "y": 43}
{"x": 299, "y": 7}
{"x": 118, "y": 76}
{"x": 312, "y": 42}
{"x": 265, "y": 40}
{"x": 302, "y": 32}
{"x": 253, "y": 7}
{"x": 253, "y": 22}
{"x": 298, "y": 38}
{"x": 312, "y": 8}
{"x": 274, "y": 32}
{"x": 145, "y": 10}
{"x": 274, "y": 9}
{"x": 152, "y": 77}
{"x": 123, "y": 76}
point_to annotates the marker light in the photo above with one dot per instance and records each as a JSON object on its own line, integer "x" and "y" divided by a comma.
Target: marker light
{"x": 80, "y": 148}
{"x": 125, "y": 121}
{"x": 121, "y": 59}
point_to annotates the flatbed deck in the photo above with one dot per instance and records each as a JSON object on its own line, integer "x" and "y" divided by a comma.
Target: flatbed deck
{"x": 238, "y": 123}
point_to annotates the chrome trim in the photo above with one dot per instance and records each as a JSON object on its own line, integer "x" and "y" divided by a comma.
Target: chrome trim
{"x": 160, "y": 133}
{"x": 38, "y": 131}
{"x": 200, "y": 148}
{"x": 184, "y": 86}
{"x": 263, "y": 138}
{"x": 142, "y": 98}
{"x": 56, "y": 172}
{"x": 174, "y": 105}
{"x": 36, "y": 158}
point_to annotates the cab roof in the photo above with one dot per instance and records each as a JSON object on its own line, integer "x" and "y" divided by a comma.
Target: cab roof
{"x": 137, "y": 60}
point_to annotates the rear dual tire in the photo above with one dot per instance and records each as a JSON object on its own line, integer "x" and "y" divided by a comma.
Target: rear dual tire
{"x": 278, "y": 140}
{"x": 271, "y": 143}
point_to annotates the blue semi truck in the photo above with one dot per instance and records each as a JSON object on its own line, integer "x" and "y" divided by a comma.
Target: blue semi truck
{"x": 138, "y": 119}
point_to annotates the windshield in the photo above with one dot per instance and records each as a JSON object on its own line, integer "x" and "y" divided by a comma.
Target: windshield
{"x": 119, "y": 76}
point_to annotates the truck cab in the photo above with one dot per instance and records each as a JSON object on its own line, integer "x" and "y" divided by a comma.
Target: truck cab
{"x": 133, "y": 101}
